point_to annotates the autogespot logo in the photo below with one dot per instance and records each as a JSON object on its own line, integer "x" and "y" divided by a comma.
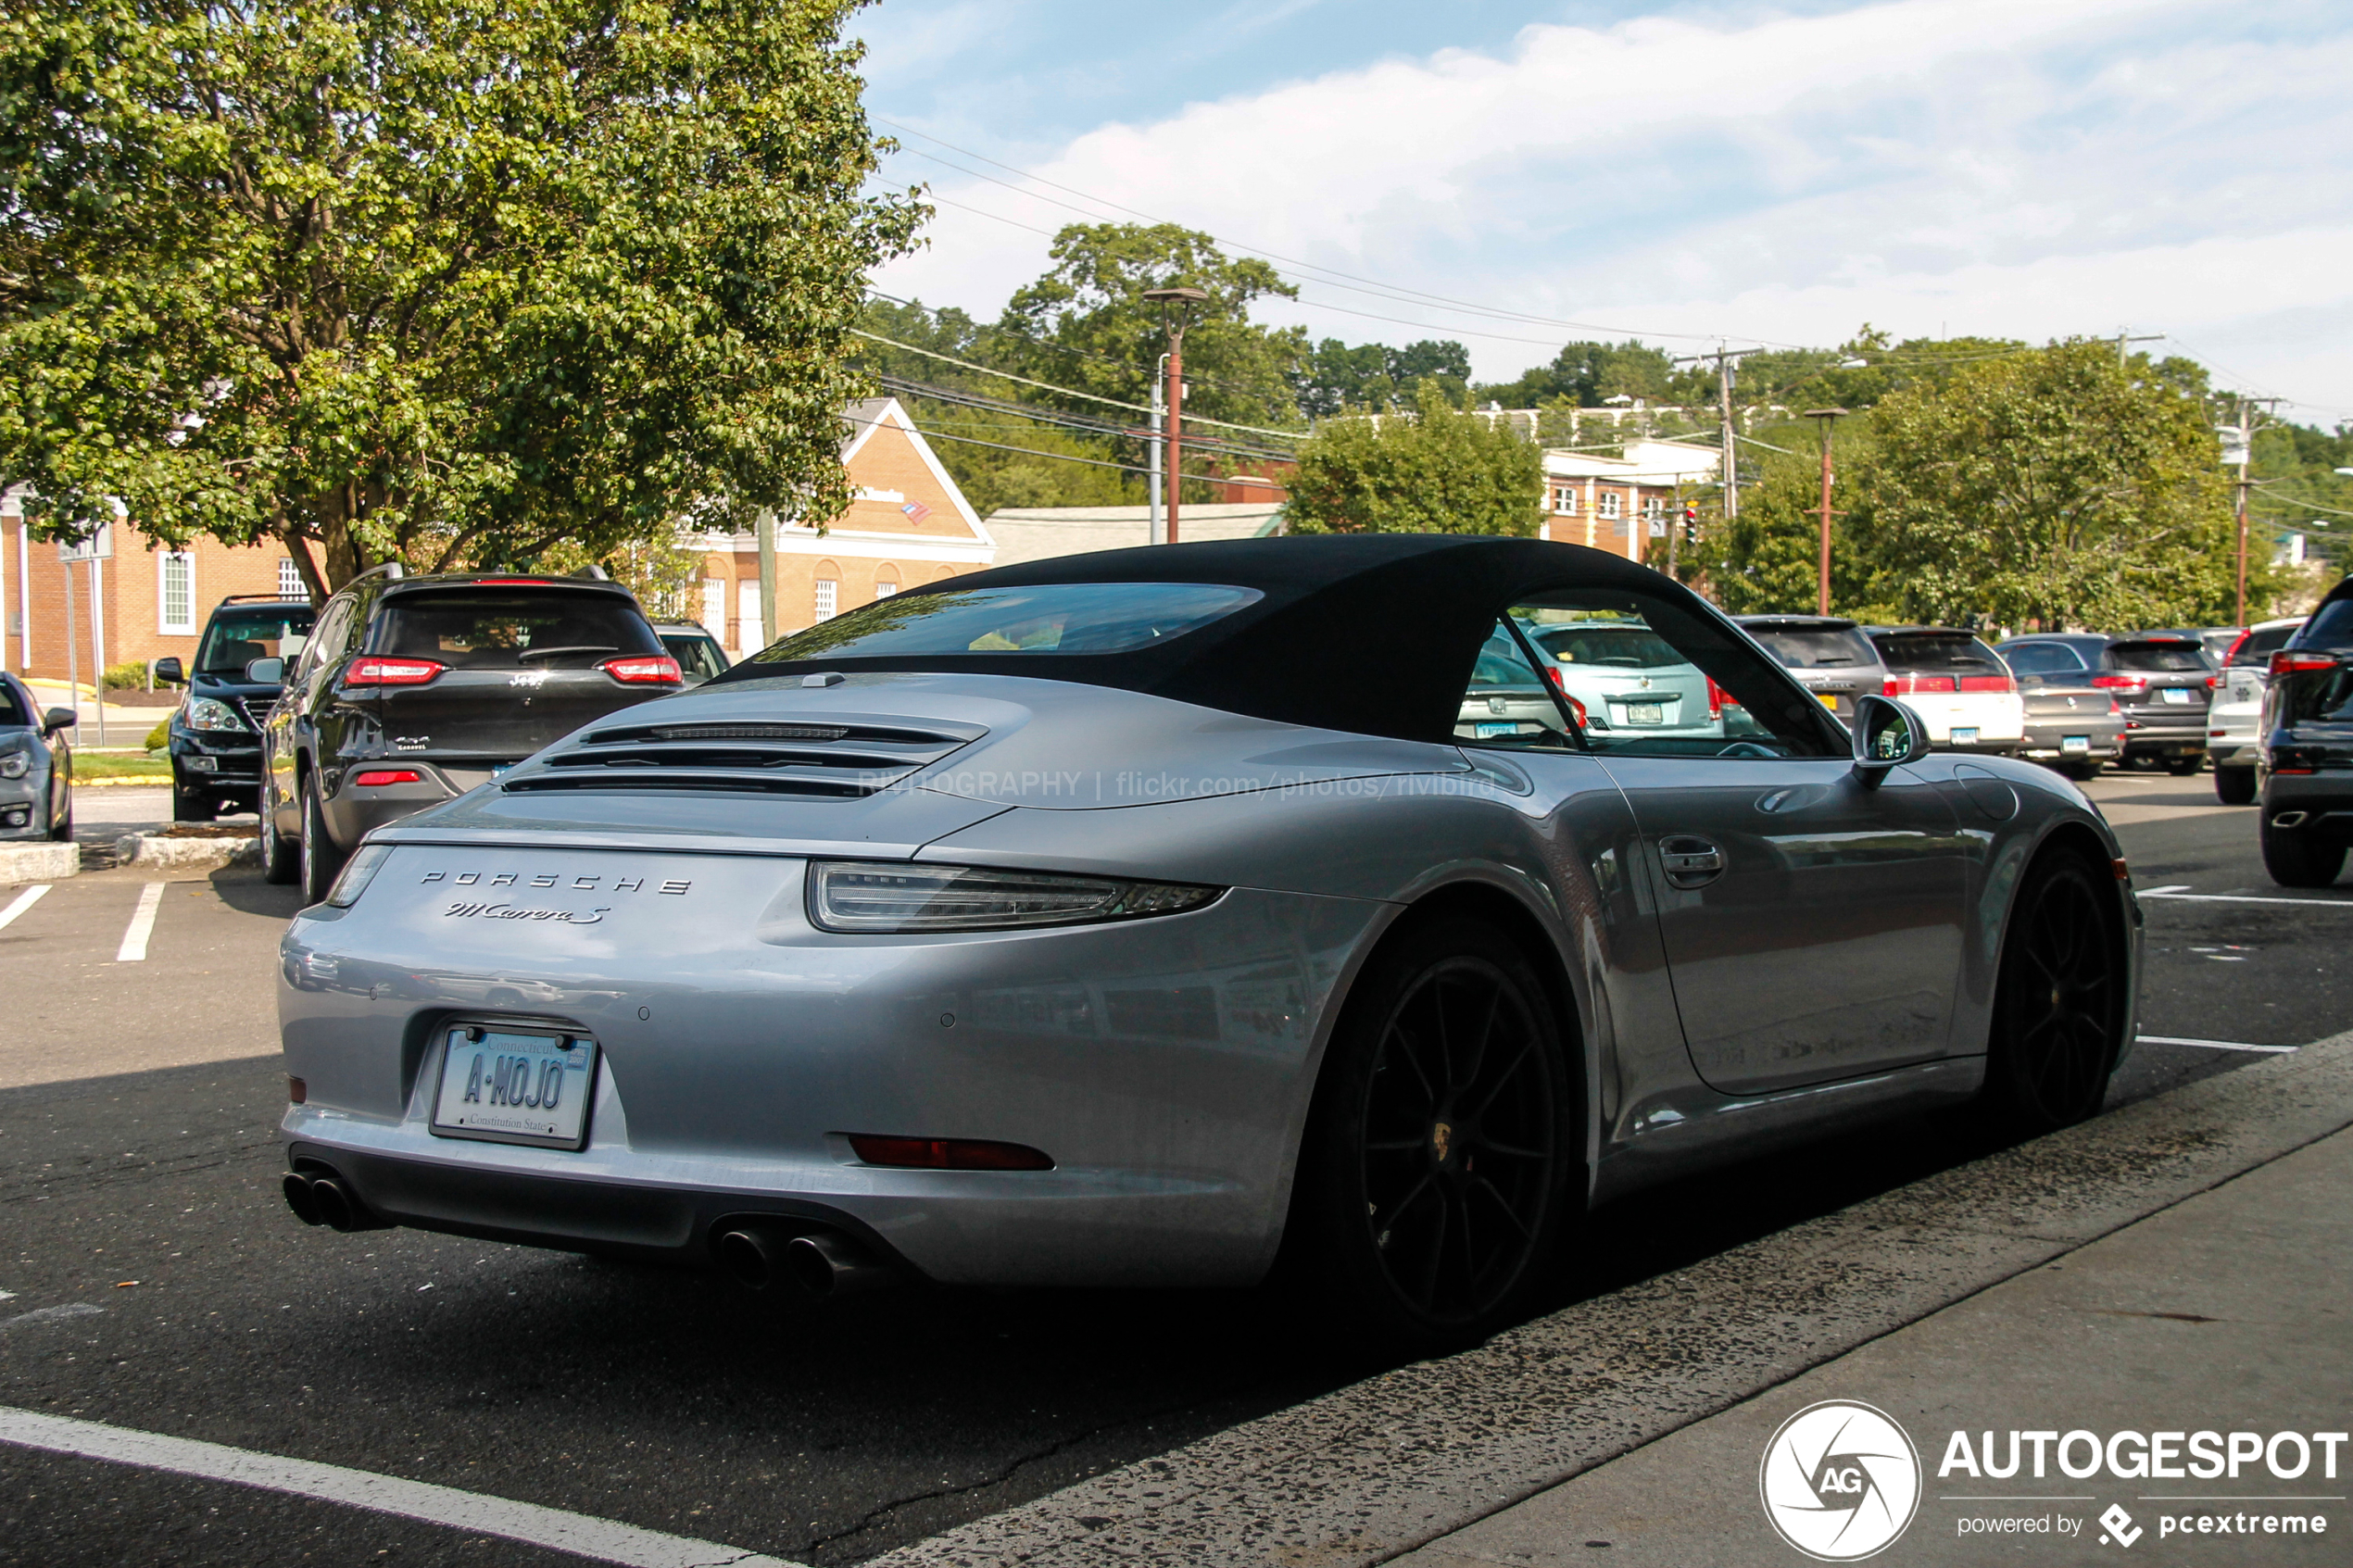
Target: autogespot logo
{"x": 1840, "y": 1481}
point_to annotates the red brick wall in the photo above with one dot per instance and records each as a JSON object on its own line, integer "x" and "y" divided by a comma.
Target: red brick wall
{"x": 132, "y": 586}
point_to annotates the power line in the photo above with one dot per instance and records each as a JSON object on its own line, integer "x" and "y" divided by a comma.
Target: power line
{"x": 1066, "y": 458}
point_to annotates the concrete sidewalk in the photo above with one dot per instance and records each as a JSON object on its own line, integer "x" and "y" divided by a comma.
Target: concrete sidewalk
{"x": 2232, "y": 1310}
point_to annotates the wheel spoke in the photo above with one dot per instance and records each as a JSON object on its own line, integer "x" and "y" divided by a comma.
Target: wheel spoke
{"x": 1501, "y": 1080}
{"x": 1428, "y": 1295}
{"x": 1400, "y": 1044}
{"x": 1493, "y": 1192}
{"x": 1412, "y": 1197}
{"x": 1489, "y": 1146}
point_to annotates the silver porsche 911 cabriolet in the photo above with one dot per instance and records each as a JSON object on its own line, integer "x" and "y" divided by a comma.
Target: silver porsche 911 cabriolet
{"x": 1136, "y": 919}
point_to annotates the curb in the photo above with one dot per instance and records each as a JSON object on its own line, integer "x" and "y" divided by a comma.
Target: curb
{"x": 39, "y": 862}
{"x": 164, "y": 853}
{"x": 1369, "y": 1472}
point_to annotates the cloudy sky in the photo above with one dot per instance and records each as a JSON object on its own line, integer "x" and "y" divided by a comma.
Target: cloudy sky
{"x": 1517, "y": 174}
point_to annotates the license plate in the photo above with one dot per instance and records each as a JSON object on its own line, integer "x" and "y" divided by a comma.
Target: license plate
{"x": 2069, "y": 743}
{"x": 1965, "y": 737}
{"x": 1826, "y": 701}
{"x": 515, "y": 1086}
{"x": 1646, "y": 714}
{"x": 2174, "y": 695}
{"x": 1489, "y": 732}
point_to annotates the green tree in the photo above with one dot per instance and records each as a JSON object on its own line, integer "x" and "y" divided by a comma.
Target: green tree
{"x": 441, "y": 280}
{"x": 1766, "y": 560}
{"x": 1334, "y": 376}
{"x": 1587, "y": 375}
{"x": 1439, "y": 470}
{"x": 2050, "y": 485}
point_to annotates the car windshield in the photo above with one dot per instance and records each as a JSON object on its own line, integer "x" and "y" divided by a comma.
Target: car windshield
{"x": 1936, "y": 651}
{"x": 535, "y": 629}
{"x": 2159, "y": 657}
{"x": 699, "y": 658}
{"x": 238, "y": 635}
{"x": 2259, "y": 646}
{"x": 1614, "y": 646}
{"x": 1081, "y": 618}
{"x": 1815, "y": 648}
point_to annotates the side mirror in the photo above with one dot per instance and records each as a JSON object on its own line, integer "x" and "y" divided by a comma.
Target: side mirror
{"x": 58, "y": 719}
{"x": 1887, "y": 734}
{"x": 169, "y": 672}
{"x": 267, "y": 671}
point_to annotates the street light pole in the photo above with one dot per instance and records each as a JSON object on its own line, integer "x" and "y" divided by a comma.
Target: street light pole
{"x": 1822, "y": 581}
{"x": 1177, "y": 306}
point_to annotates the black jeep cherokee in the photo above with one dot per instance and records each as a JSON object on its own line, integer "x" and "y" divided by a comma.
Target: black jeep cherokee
{"x": 413, "y": 690}
{"x": 2304, "y": 759}
{"x": 215, "y": 734}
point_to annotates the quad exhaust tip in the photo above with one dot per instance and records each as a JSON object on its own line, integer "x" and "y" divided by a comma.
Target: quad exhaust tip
{"x": 821, "y": 1264}
{"x": 322, "y": 1199}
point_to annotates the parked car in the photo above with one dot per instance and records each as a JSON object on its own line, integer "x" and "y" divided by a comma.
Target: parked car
{"x": 413, "y": 690}
{"x": 1624, "y": 677}
{"x": 698, "y": 652}
{"x": 2079, "y": 730}
{"x": 2305, "y": 764}
{"x": 1958, "y": 684}
{"x": 36, "y": 766}
{"x": 1832, "y": 659}
{"x": 2234, "y": 719}
{"x": 1106, "y": 921}
{"x": 214, "y": 736}
{"x": 2161, "y": 680}
{"x": 1506, "y": 696}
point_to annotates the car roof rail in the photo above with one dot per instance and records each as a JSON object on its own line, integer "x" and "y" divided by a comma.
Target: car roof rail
{"x": 263, "y": 598}
{"x": 393, "y": 571}
{"x": 592, "y": 573}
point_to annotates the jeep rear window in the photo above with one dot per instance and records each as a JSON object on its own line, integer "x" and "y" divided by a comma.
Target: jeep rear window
{"x": 1050, "y": 618}
{"x": 2159, "y": 657}
{"x": 536, "y": 629}
{"x": 1937, "y": 651}
{"x": 1815, "y": 648}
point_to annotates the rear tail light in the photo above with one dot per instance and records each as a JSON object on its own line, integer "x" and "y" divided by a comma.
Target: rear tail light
{"x": 2236, "y": 642}
{"x": 643, "y": 670}
{"x": 1552, "y": 674}
{"x": 2134, "y": 684}
{"x": 376, "y": 777}
{"x": 948, "y": 1154}
{"x": 377, "y": 670}
{"x": 1719, "y": 699}
{"x": 1988, "y": 683}
{"x": 2291, "y": 661}
{"x": 1905, "y": 685}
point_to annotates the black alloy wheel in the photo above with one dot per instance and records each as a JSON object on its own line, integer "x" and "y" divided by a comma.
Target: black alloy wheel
{"x": 2297, "y": 859}
{"x": 281, "y": 861}
{"x": 2234, "y": 786}
{"x": 2060, "y": 1010}
{"x": 1436, "y": 1174}
{"x": 321, "y": 860}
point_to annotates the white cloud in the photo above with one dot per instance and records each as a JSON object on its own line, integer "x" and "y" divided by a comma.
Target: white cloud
{"x": 2022, "y": 167}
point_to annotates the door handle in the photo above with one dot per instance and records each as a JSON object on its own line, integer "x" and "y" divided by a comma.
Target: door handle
{"x": 1690, "y": 860}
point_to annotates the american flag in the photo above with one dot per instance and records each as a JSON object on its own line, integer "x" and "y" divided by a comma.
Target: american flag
{"x": 916, "y": 510}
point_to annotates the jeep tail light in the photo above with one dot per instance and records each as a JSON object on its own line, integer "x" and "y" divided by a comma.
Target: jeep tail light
{"x": 643, "y": 670}
{"x": 2214, "y": 683}
{"x": 375, "y": 778}
{"x": 377, "y": 670}
{"x": 2292, "y": 662}
{"x": 2136, "y": 684}
{"x": 948, "y": 1154}
{"x": 1988, "y": 683}
{"x": 1905, "y": 685}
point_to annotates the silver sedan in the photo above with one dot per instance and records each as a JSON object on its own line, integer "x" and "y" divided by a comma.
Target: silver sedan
{"x": 1113, "y": 920}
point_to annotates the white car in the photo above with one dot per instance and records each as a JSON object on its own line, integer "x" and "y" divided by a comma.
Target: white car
{"x": 1958, "y": 684}
{"x": 2234, "y": 723}
{"x": 1625, "y": 679}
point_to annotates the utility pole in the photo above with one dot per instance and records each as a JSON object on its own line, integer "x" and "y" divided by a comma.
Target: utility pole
{"x": 764, "y": 525}
{"x": 1726, "y": 363}
{"x": 1159, "y": 393}
{"x": 1177, "y": 306}
{"x": 1822, "y": 583}
{"x": 2122, "y": 338}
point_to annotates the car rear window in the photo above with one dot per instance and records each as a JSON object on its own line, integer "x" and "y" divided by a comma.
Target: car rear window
{"x": 2159, "y": 657}
{"x": 696, "y": 655}
{"x": 531, "y": 628}
{"x": 1936, "y": 650}
{"x": 2257, "y": 647}
{"x": 1066, "y": 618}
{"x": 237, "y": 637}
{"x": 11, "y": 710}
{"x": 1815, "y": 648}
{"x": 2332, "y": 628}
{"x": 1606, "y": 646}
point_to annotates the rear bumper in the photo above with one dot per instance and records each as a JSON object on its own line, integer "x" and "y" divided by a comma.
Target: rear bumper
{"x": 2324, "y": 798}
{"x": 354, "y": 810}
{"x": 2182, "y": 737}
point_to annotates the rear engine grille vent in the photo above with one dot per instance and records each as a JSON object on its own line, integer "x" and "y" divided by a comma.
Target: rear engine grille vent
{"x": 839, "y": 761}
{"x": 749, "y": 732}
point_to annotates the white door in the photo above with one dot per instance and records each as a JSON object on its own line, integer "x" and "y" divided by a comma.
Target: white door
{"x": 715, "y": 606}
{"x": 748, "y": 636}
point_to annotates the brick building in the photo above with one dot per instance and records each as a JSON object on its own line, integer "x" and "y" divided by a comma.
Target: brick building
{"x": 1619, "y": 504}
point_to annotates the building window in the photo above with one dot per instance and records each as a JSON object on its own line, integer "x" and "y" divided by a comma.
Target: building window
{"x": 290, "y": 580}
{"x": 176, "y": 597}
{"x": 1609, "y": 503}
{"x": 1565, "y": 501}
{"x": 828, "y": 592}
{"x": 885, "y": 587}
{"x": 715, "y": 606}
{"x": 1653, "y": 508}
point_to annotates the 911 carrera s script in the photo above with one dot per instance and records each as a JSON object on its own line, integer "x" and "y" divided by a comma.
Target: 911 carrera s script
{"x": 515, "y": 911}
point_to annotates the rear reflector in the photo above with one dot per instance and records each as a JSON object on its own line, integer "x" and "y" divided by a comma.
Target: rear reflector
{"x": 377, "y": 670}
{"x": 2124, "y": 873}
{"x": 297, "y": 1092}
{"x": 948, "y": 1154}
{"x": 643, "y": 670}
{"x": 374, "y": 777}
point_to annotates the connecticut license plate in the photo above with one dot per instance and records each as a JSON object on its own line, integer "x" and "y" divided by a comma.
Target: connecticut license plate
{"x": 1646, "y": 714}
{"x": 2072, "y": 745}
{"x": 2177, "y": 695}
{"x": 515, "y": 1086}
{"x": 1965, "y": 737}
{"x": 1489, "y": 732}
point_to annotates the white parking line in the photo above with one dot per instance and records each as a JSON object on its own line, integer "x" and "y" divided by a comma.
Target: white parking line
{"x": 2214, "y": 1045}
{"x": 2188, "y": 898}
{"x": 579, "y": 1534}
{"x": 22, "y": 902}
{"x": 141, "y": 926}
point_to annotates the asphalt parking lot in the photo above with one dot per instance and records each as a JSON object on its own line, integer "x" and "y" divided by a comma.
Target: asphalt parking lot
{"x": 153, "y": 1280}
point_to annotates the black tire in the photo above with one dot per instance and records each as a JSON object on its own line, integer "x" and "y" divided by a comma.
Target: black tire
{"x": 321, "y": 859}
{"x": 281, "y": 861}
{"x": 2234, "y": 786}
{"x": 198, "y": 807}
{"x": 1447, "y": 1057}
{"x": 61, "y": 832}
{"x": 2295, "y": 858}
{"x": 2083, "y": 772}
{"x": 2060, "y": 1005}
{"x": 2182, "y": 767}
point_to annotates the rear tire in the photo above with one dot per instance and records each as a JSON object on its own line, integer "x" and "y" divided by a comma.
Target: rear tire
{"x": 281, "y": 861}
{"x": 2060, "y": 1007}
{"x": 2083, "y": 772}
{"x": 2295, "y": 858}
{"x": 321, "y": 860}
{"x": 2234, "y": 786}
{"x": 1434, "y": 1180}
{"x": 2182, "y": 767}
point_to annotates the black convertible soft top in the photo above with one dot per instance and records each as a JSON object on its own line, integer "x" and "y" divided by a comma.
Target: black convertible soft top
{"x": 1372, "y": 634}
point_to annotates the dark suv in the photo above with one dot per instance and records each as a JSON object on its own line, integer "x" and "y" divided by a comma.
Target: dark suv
{"x": 215, "y": 735}
{"x": 2304, "y": 764}
{"x": 413, "y": 690}
{"x": 2163, "y": 681}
